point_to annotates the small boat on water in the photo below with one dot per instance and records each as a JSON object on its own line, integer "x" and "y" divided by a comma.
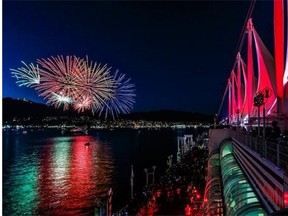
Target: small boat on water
{"x": 87, "y": 143}
{"x": 76, "y": 131}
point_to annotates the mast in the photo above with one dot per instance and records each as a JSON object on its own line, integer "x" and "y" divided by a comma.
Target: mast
{"x": 234, "y": 106}
{"x": 229, "y": 101}
{"x": 279, "y": 51}
{"x": 285, "y": 78}
{"x": 250, "y": 71}
{"x": 239, "y": 89}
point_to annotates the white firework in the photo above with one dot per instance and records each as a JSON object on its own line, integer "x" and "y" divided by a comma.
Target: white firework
{"x": 27, "y": 76}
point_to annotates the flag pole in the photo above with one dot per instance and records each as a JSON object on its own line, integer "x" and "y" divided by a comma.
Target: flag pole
{"x": 132, "y": 181}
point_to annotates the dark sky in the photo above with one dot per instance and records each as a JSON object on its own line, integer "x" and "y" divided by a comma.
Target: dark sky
{"x": 178, "y": 54}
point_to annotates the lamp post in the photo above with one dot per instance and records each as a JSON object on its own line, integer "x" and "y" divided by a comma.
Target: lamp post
{"x": 169, "y": 161}
{"x": 215, "y": 120}
{"x": 150, "y": 173}
{"x": 146, "y": 171}
{"x": 132, "y": 181}
{"x": 259, "y": 101}
{"x": 267, "y": 95}
{"x": 153, "y": 167}
{"x": 264, "y": 121}
{"x": 238, "y": 116}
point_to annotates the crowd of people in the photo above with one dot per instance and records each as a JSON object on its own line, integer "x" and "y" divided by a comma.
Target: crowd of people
{"x": 179, "y": 191}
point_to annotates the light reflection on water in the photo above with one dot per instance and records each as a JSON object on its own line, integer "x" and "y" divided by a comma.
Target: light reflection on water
{"x": 59, "y": 176}
{"x": 46, "y": 173}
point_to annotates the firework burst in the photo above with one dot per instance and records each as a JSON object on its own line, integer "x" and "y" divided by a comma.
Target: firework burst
{"x": 96, "y": 84}
{"x": 78, "y": 83}
{"x": 59, "y": 75}
{"x": 123, "y": 97}
{"x": 84, "y": 103}
{"x": 60, "y": 100}
{"x": 27, "y": 76}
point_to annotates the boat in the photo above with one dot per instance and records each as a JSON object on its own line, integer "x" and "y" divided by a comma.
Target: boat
{"x": 76, "y": 131}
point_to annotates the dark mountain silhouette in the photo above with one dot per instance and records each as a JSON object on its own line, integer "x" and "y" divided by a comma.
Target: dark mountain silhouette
{"x": 22, "y": 108}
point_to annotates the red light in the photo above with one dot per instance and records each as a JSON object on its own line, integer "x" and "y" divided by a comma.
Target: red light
{"x": 279, "y": 45}
{"x": 250, "y": 71}
{"x": 286, "y": 199}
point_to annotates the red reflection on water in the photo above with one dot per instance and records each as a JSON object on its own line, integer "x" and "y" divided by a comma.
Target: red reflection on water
{"x": 71, "y": 176}
{"x": 80, "y": 194}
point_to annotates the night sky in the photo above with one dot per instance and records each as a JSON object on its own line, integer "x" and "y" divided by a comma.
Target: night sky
{"x": 178, "y": 54}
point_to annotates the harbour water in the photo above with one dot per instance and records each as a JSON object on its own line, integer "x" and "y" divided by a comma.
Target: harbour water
{"x": 47, "y": 173}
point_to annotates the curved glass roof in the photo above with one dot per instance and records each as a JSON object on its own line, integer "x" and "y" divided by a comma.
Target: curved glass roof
{"x": 213, "y": 203}
{"x": 239, "y": 196}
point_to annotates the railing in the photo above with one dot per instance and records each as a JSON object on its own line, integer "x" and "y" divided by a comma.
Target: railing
{"x": 275, "y": 150}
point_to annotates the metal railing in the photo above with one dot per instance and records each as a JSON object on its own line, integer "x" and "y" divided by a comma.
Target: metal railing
{"x": 274, "y": 150}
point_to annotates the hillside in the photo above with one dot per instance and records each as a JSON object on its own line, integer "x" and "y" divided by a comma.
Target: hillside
{"x": 22, "y": 108}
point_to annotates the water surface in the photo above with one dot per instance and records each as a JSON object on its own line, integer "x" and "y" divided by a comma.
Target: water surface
{"x": 45, "y": 172}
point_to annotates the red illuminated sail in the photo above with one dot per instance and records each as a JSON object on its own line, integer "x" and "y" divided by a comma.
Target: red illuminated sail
{"x": 239, "y": 84}
{"x": 229, "y": 101}
{"x": 250, "y": 70}
{"x": 232, "y": 97}
{"x": 285, "y": 78}
{"x": 266, "y": 71}
{"x": 244, "y": 110}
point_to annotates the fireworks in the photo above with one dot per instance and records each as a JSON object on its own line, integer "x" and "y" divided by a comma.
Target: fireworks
{"x": 96, "y": 84}
{"x": 123, "y": 97}
{"x": 59, "y": 99}
{"x": 26, "y": 76}
{"x": 58, "y": 76}
{"x": 78, "y": 83}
